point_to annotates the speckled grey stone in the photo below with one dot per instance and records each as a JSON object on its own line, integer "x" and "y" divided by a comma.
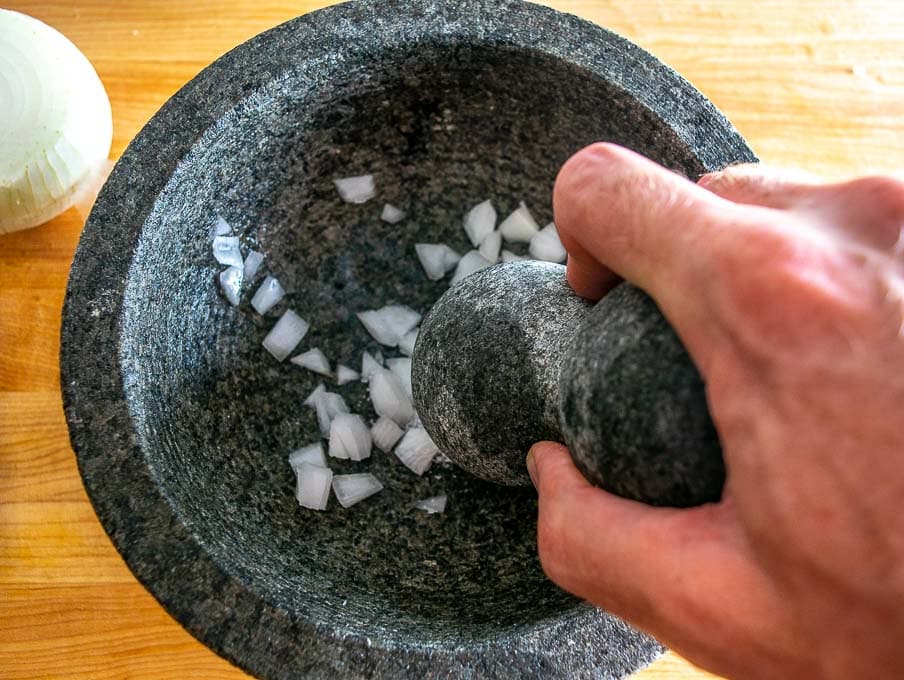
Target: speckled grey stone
{"x": 182, "y": 423}
{"x": 512, "y": 356}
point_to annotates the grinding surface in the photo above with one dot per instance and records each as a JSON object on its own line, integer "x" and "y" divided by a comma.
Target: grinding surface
{"x": 485, "y": 370}
{"x": 182, "y": 423}
{"x": 633, "y": 406}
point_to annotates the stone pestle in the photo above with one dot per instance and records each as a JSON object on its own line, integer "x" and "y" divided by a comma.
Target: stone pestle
{"x": 511, "y": 356}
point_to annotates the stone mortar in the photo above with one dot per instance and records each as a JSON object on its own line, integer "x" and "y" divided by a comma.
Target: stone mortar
{"x": 182, "y": 424}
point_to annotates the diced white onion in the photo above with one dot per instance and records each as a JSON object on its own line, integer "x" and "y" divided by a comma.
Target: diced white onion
{"x": 253, "y": 263}
{"x": 356, "y": 189}
{"x": 311, "y": 454}
{"x": 489, "y": 249}
{"x": 311, "y": 400}
{"x": 406, "y": 344}
{"x": 416, "y": 450}
{"x": 285, "y": 335}
{"x": 368, "y": 366}
{"x": 267, "y": 295}
{"x": 55, "y": 123}
{"x": 351, "y": 489}
{"x": 402, "y": 369}
{"x": 391, "y": 214}
{"x": 390, "y": 398}
{"x": 436, "y": 259}
{"x": 385, "y": 433}
{"x": 221, "y": 227}
{"x": 388, "y": 324}
{"x": 313, "y": 360}
{"x": 328, "y": 405}
{"x": 509, "y": 256}
{"x": 313, "y": 489}
{"x": 520, "y": 226}
{"x": 226, "y": 251}
{"x": 470, "y": 263}
{"x": 231, "y": 284}
{"x": 545, "y": 245}
{"x": 345, "y": 375}
{"x": 480, "y": 222}
{"x": 432, "y": 505}
{"x": 350, "y": 437}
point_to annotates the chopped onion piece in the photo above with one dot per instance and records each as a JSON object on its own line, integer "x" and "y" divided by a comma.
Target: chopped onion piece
{"x": 351, "y": 489}
{"x": 416, "y": 450}
{"x": 436, "y": 259}
{"x": 345, "y": 375}
{"x": 313, "y": 360}
{"x": 480, "y": 222}
{"x": 390, "y": 398}
{"x": 350, "y": 437}
{"x": 406, "y": 344}
{"x": 253, "y": 263}
{"x": 388, "y": 324}
{"x": 328, "y": 406}
{"x": 231, "y": 284}
{"x": 268, "y": 294}
{"x": 313, "y": 490}
{"x": 286, "y": 335}
{"x": 385, "y": 433}
{"x": 378, "y": 356}
{"x": 520, "y": 226}
{"x": 226, "y": 251}
{"x": 433, "y": 504}
{"x": 509, "y": 256}
{"x": 356, "y": 189}
{"x": 221, "y": 227}
{"x": 489, "y": 249}
{"x": 546, "y": 245}
{"x": 391, "y": 214}
{"x": 368, "y": 366}
{"x": 312, "y": 454}
{"x": 470, "y": 263}
{"x": 311, "y": 401}
{"x": 402, "y": 369}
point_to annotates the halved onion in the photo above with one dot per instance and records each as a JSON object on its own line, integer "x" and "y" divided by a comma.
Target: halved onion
{"x": 351, "y": 489}
{"x": 285, "y": 335}
{"x": 55, "y": 124}
{"x": 268, "y": 294}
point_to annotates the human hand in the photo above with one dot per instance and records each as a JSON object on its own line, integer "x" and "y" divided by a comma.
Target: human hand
{"x": 789, "y": 296}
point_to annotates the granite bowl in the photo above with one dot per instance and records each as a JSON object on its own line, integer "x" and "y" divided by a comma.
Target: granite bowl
{"x": 182, "y": 423}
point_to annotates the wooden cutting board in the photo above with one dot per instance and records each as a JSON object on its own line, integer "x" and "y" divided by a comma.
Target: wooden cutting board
{"x": 818, "y": 84}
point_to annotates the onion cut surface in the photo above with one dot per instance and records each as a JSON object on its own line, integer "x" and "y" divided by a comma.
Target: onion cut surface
{"x": 285, "y": 335}
{"x": 351, "y": 489}
{"x": 313, "y": 487}
{"x": 268, "y": 294}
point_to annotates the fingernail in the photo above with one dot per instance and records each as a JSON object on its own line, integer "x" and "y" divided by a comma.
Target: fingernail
{"x": 531, "y": 467}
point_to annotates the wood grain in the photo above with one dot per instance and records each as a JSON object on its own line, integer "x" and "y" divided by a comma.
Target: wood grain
{"x": 813, "y": 83}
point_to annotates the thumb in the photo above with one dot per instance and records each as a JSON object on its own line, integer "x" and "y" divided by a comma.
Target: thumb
{"x": 672, "y": 572}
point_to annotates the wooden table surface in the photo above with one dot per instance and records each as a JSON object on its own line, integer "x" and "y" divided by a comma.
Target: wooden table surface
{"x": 819, "y": 84}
